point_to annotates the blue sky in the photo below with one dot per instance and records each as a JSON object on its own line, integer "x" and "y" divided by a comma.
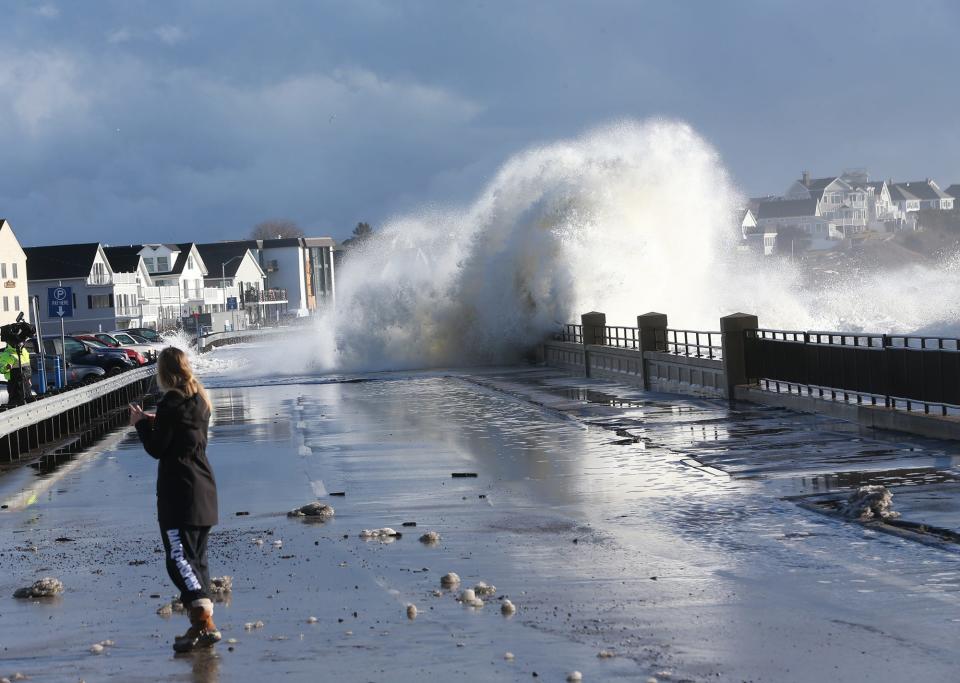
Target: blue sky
{"x": 130, "y": 121}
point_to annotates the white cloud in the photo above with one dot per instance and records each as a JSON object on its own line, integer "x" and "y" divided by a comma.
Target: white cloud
{"x": 39, "y": 89}
{"x": 169, "y": 34}
{"x": 48, "y": 11}
{"x": 120, "y": 35}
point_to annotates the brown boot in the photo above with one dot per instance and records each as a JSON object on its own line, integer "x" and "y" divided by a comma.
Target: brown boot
{"x": 202, "y": 632}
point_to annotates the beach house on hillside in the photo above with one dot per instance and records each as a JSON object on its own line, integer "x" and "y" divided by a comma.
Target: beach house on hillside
{"x": 924, "y": 194}
{"x": 802, "y": 215}
{"x": 13, "y": 275}
{"x": 841, "y": 202}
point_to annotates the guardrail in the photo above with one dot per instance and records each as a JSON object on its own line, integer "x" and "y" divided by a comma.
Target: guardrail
{"x": 690, "y": 343}
{"x": 89, "y": 408}
{"x": 907, "y": 372}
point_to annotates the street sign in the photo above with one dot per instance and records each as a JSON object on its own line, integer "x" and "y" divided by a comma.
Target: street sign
{"x": 231, "y": 303}
{"x": 60, "y": 302}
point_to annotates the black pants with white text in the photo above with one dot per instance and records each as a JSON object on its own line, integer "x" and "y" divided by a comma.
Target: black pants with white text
{"x": 186, "y": 553}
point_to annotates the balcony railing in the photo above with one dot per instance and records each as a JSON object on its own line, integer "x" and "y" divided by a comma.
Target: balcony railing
{"x": 252, "y": 295}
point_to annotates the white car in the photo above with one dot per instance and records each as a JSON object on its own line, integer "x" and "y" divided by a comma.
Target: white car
{"x": 123, "y": 339}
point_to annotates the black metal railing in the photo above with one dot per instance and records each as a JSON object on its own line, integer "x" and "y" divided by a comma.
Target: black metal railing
{"x": 570, "y": 333}
{"x": 691, "y": 343}
{"x": 623, "y": 337}
{"x": 910, "y": 372}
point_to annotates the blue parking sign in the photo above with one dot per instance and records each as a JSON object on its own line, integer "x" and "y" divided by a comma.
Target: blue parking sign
{"x": 60, "y": 302}
{"x": 231, "y": 303}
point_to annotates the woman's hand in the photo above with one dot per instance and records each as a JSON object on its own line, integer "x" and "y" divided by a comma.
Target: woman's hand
{"x": 136, "y": 414}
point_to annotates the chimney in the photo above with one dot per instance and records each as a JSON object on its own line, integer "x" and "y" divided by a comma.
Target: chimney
{"x": 805, "y": 177}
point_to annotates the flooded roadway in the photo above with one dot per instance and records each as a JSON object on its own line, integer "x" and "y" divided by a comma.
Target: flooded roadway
{"x": 656, "y": 528}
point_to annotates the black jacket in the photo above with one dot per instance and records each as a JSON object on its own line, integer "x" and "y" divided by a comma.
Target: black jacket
{"x": 177, "y": 437}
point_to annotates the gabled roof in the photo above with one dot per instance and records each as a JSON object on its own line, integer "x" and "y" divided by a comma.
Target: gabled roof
{"x": 185, "y": 249}
{"x": 61, "y": 261}
{"x": 124, "y": 259}
{"x": 224, "y": 257}
{"x": 787, "y": 208}
{"x": 953, "y": 191}
{"x": 923, "y": 189}
{"x": 899, "y": 193}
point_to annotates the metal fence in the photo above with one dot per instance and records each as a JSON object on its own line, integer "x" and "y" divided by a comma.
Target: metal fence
{"x": 691, "y": 343}
{"x": 898, "y": 371}
{"x": 570, "y": 333}
{"x": 623, "y": 337}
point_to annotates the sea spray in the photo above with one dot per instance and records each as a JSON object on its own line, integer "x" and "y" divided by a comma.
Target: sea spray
{"x": 629, "y": 218}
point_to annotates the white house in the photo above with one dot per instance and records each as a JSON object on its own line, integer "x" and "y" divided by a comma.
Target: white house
{"x": 178, "y": 274}
{"x": 13, "y": 275}
{"x": 300, "y": 270}
{"x": 131, "y": 281}
{"x": 844, "y": 203}
{"x": 799, "y": 214}
{"x": 926, "y": 194}
{"x": 86, "y": 270}
{"x": 234, "y": 269}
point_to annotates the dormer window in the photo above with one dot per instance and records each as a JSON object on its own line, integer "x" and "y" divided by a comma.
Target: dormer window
{"x": 163, "y": 264}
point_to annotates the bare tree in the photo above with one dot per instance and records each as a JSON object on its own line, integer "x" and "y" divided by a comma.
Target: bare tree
{"x": 276, "y": 228}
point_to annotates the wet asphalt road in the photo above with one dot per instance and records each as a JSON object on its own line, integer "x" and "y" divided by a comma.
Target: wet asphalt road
{"x": 653, "y": 527}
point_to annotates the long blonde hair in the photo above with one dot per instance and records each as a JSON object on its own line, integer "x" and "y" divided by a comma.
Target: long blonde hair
{"x": 175, "y": 374}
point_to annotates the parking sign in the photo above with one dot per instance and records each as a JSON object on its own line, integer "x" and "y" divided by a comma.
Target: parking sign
{"x": 60, "y": 302}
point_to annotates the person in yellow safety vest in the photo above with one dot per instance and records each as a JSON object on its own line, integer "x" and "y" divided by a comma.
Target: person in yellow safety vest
{"x": 18, "y": 382}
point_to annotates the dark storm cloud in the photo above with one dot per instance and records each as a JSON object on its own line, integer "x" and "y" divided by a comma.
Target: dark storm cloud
{"x": 135, "y": 121}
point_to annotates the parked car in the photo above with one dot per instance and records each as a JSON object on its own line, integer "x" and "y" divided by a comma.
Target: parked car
{"x": 83, "y": 353}
{"x": 132, "y": 353}
{"x": 151, "y": 336}
{"x": 75, "y": 373}
{"x": 127, "y": 338}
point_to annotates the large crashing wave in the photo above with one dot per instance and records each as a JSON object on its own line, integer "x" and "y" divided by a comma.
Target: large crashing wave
{"x": 629, "y": 218}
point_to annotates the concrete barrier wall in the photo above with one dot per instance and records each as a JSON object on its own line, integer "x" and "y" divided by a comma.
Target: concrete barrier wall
{"x": 210, "y": 341}
{"x": 565, "y": 355}
{"x": 685, "y": 375}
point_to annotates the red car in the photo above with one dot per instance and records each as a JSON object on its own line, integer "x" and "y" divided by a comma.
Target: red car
{"x": 132, "y": 354}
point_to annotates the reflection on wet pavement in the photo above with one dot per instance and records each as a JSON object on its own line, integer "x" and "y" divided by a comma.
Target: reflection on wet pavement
{"x": 643, "y": 524}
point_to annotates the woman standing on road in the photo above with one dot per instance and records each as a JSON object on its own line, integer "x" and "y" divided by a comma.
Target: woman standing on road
{"x": 186, "y": 490}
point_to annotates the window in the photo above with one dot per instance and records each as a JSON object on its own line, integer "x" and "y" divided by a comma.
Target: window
{"x": 6, "y": 303}
{"x": 98, "y": 301}
{"x": 190, "y": 262}
{"x": 16, "y": 302}
{"x": 163, "y": 264}
{"x": 148, "y": 262}
{"x": 74, "y": 348}
{"x": 3, "y": 270}
{"x": 13, "y": 266}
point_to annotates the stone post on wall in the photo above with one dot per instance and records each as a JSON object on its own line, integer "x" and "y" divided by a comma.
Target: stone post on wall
{"x": 593, "y": 325}
{"x": 734, "y": 347}
{"x": 653, "y": 337}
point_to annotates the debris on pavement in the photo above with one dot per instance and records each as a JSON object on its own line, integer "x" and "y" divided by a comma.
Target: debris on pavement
{"x": 449, "y": 580}
{"x": 868, "y": 503}
{"x": 46, "y": 587}
{"x": 385, "y": 532}
{"x": 430, "y": 538}
{"x": 316, "y": 510}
